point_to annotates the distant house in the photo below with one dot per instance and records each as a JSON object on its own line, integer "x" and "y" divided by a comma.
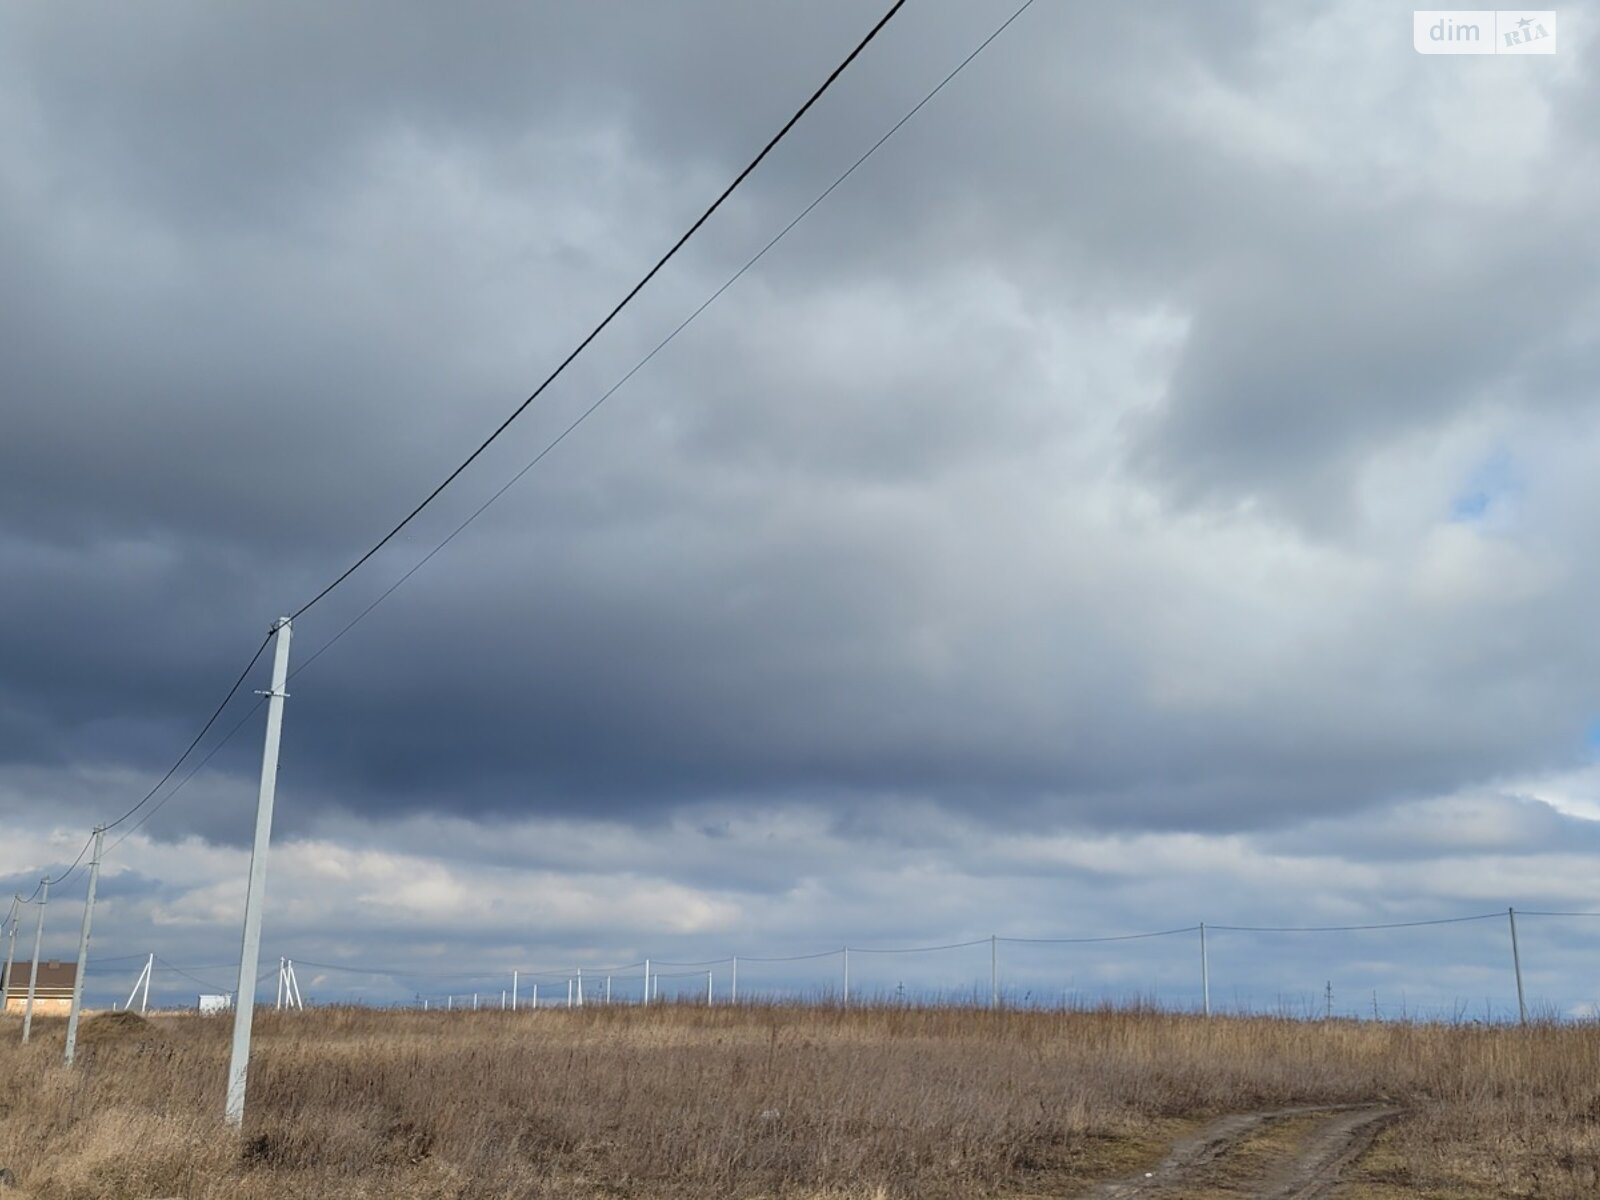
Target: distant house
{"x": 52, "y": 995}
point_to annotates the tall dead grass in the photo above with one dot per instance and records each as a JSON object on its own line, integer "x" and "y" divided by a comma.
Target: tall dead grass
{"x": 764, "y": 1101}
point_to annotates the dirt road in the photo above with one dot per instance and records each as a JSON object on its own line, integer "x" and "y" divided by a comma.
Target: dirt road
{"x": 1287, "y": 1154}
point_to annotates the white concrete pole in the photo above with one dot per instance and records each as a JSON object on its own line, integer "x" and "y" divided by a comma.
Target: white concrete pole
{"x": 733, "y": 996}
{"x": 608, "y": 990}
{"x": 11, "y": 952}
{"x": 1516, "y": 962}
{"x": 513, "y": 991}
{"x": 994, "y": 971}
{"x": 569, "y": 992}
{"x": 502, "y": 999}
{"x": 294, "y": 986}
{"x": 255, "y": 896}
{"x": 282, "y": 971}
{"x": 710, "y": 995}
{"x": 536, "y": 995}
{"x": 646, "y": 999}
{"x": 1205, "y": 972}
{"x": 137, "y": 984}
{"x": 847, "y": 977}
{"x": 33, "y": 979}
{"x": 580, "y": 987}
{"x": 83, "y": 947}
{"x": 149, "y": 972}
{"x": 474, "y": 1001}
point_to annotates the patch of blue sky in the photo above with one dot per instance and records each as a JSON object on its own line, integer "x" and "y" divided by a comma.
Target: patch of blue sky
{"x": 1492, "y": 485}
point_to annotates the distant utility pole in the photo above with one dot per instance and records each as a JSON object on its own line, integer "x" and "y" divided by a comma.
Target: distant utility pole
{"x": 994, "y": 972}
{"x": 1328, "y": 994}
{"x": 33, "y": 979}
{"x": 256, "y": 890}
{"x": 11, "y": 951}
{"x": 1516, "y": 963}
{"x": 83, "y": 946}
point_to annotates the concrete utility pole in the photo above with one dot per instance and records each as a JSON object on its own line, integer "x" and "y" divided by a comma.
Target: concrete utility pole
{"x": 846, "y": 953}
{"x": 1205, "y": 973}
{"x": 256, "y": 891}
{"x": 1516, "y": 963}
{"x": 11, "y": 951}
{"x": 83, "y": 946}
{"x": 33, "y": 979}
{"x": 733, "y": 995}
{"x": 513, "y": 991}
{"x": 994, "y": 971}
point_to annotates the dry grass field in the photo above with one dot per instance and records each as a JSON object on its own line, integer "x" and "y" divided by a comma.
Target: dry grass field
{"x": 791, "y": 1102}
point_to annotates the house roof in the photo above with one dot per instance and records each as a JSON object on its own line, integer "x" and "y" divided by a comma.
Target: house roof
{"x": 53, "y": 977}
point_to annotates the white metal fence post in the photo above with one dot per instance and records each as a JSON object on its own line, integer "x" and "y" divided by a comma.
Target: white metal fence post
{"x": 83, "y": 947}
{"x": 256, "y": 889}
{"x": 33, "y": 979}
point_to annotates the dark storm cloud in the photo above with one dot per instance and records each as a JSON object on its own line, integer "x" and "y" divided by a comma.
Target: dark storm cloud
{"x": 879, "y": 526}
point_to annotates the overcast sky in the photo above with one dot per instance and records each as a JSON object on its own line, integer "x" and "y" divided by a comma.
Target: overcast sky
{"x": 1156, "y": 487}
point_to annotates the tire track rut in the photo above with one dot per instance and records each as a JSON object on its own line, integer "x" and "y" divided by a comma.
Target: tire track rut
{"x": 1281, "y": 1154}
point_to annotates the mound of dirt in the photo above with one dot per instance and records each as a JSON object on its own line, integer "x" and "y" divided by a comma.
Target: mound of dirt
{"x": 114, "y": 1027}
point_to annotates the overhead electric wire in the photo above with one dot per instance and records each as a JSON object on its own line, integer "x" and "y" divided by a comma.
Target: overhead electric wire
{"x": 621, "y": 304}
{"x": 1350, "y": 928}
{"x": 916, "y": 949}
{"x": 1119, "y": 937}
{"x": 193, "y": 771}
{"x": 1533, "y": 912}
{"x": 662, "y": 344}
{"x": 204, "y": 729}
{"x": 195, "y": 978}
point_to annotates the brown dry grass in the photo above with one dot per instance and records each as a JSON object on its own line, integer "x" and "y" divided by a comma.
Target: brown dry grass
{"x": 769, "y": 1102}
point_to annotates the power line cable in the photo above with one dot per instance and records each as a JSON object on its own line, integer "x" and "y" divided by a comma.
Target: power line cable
{"x": 662, "y": 344}
{"x": 1120, "y": 937}
{"x": 204, "y": 729}
{"x": 1351, "y": 928}
{"x": 621, "y": 304}
{"x": 918, "y": 949}
{"x": 1531, "y": 912}
{"x": 793, "y": 957}
{"x": 750, "y": 263}
{"x": 193, "y": 771}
